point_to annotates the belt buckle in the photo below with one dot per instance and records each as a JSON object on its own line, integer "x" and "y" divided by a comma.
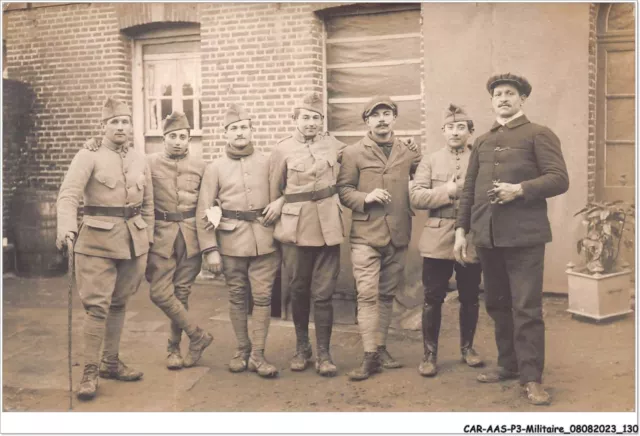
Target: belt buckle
{"x": 237, "y": 214}
{"x": 313, "y": 195}
{"x": 164, "y": 216}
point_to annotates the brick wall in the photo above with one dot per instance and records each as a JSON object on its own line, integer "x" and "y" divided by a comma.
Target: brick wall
{"x": 264, "y": 56}
{"x": 73, "y": 57}
{"x": 591, "y": 144}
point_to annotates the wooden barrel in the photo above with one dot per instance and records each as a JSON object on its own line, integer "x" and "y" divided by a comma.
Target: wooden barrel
{"x": 33, "y": 214}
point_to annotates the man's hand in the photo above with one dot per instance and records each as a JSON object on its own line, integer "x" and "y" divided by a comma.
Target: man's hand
{"x": 272, "y": 212}
{"x": 503, "y": 193}
{"x": 213, "y": 262}
{"x": 452, "y": 187}
{"x": 61, "y": 240}
{"x": 410, "y": 143}
{"x": 460, "y": 246}
{"x": 92, "y": 144}
{"x": 378, "y": 195}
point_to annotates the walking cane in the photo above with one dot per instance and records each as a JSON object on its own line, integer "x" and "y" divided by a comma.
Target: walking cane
{"x": 71, "y": 269}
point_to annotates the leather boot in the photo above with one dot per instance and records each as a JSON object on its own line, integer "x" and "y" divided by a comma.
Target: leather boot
{"x": 468, "y": 322}
{"x": 300, "y": 310}
{"x": 174, "y": 359}
{"x": 196, "y": 347}
{"x": 431, "y": 317}
{"x": 89, "y": 384}
{"x": 300, "y": 360}
{"x": 240, "y": 360}
{"x": 536, "y": 394}
{"x": 323, "y": 316}
{"x": 258, "y": 363}
{"x": 370, "y": 365}
{"x": 386, "y": 360}
{"x": 119, "y": 371}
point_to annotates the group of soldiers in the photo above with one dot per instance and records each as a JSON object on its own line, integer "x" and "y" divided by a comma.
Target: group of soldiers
{"x": 169, "y": 214}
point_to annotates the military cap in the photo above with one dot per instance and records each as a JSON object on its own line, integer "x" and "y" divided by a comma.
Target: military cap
{"x": 523, "y": 85}
{"x": 312, "y": 102}
{"x": 114, "y": 108}
{"x": 454, "y": 114}
{"x": 234, "y": 114}
{"x": 379, "y": 100}
{"x": 175, "y": 121}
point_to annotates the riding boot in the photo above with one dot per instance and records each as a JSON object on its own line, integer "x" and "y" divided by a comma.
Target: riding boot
{"x": 300, "y": 307}
{"x": 431, "y": 317}
{"x": 468, "y": 322}
{"x": 323, "y": 316}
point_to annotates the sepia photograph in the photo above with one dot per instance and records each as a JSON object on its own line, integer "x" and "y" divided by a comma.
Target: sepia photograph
{"x": 319, "y": 207}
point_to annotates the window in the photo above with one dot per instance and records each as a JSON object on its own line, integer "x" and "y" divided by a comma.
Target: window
{"x": 369, "y": 54}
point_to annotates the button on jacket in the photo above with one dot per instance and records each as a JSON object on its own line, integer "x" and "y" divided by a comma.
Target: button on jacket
{"x": 365, "y": 168}
{"x": 519, "y": 152}
{"x": 429, "y": 191}
{"x": 236, "y": 184}
{"x": 298, "y": 165}
{"x": 112, "y": 178}
{"x": 176, "y": 183}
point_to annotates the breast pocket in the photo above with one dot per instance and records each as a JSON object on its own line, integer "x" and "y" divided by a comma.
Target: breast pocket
{"x": 106, "y": 180}
{"x": 192, "y": 183}
{"x": 439, "y": 179}
{"x": 296, "y": 171}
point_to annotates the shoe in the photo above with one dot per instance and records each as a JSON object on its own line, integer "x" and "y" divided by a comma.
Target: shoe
{"x": 324, "y": 365}
{"x": 239, "y": 361}
{"x": 119, "y": 371}
{"x": 471, "y": 358}
{"x": 258, "y": 363}
{"x": 196, "y": 348}
{"x": 428, "y": 367}
{"x": 89, "y": 384}
{"x": 370, "y": 365}
{"x": 301, "y": 359}
{"x": 497, "y": 375}
{"x": 536, "y": 394}
{"x": 386, "y": 360}
{"x": 174, "y": 359}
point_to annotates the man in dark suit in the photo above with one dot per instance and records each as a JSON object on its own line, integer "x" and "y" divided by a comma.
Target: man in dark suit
{"x": 512, "y": 170}
{"x": 374, "y": 183}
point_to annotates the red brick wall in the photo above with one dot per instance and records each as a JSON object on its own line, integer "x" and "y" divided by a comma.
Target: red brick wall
{"x": 73, "y": 57}
{"x": 264, "y": 56}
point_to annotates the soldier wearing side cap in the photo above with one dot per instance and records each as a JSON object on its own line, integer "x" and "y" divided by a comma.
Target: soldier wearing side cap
{"x": 436, "y": 187}
{"x": 174, "y": 258}
{"x": 303, "y": 172}
{"x": 513, "y": 169}
{"x": 241, "y": 244}
{"x": 374, "y": 183}
{"x": 112, "y": 243}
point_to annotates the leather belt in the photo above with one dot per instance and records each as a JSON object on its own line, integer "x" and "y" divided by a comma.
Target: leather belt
{"x": 443, "y": 212}
{"x": 174, "y": 216}
{"x": 122, "y": 212}
{"x": 311, "y": 195}
{"x": 244, "y": 215}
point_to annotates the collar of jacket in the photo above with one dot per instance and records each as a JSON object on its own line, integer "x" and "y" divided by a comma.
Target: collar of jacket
{"x": 460, "y": 150}
{"x": 512, "y": 124}
{"x": 176, "y": 156}
{"x": 301, "y": 138}
{"x": 371, "y": 143}
{"x": 115, "y": 147}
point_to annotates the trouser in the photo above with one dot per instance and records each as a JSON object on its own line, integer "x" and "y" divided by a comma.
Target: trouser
{"x": 435, "y": 279}
{"x": 513, "y": 296}
{"x": 313, "y": 274}
{"x": 105, "y": 286}
{"x": 171, "y": 279}
{"x": 378, "y": 272}
{"x": 255, "y": 274}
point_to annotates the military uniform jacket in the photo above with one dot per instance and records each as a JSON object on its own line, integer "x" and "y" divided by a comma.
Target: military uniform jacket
{"x": 519, "y": 152}
{"x": 298, "y": 165}
{"x": 111, "y": 178}
{"x": 429, "y": 191}
{"x": 236, "y": 184}
{"x": 176, "y": 183}
{"x": 364, "y": 168}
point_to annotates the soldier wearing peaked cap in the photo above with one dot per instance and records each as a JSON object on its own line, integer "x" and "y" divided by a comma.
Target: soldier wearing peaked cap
{"x": 437, "y": 186}
{"x": 174, "y": 258}
{"x": 513, "y": 169}
{"x": 303, "y": 172}
{"x": 111, "y": 244}
{"x": 241, "y": 245}
{"x": 374, "y": 183}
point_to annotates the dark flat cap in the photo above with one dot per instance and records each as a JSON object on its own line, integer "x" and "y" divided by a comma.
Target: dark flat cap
{"x": 519, "y": 82}
{"x": 379, "y": 100}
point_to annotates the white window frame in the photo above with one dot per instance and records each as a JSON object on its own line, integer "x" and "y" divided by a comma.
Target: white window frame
{"x": 139, "y": 94}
